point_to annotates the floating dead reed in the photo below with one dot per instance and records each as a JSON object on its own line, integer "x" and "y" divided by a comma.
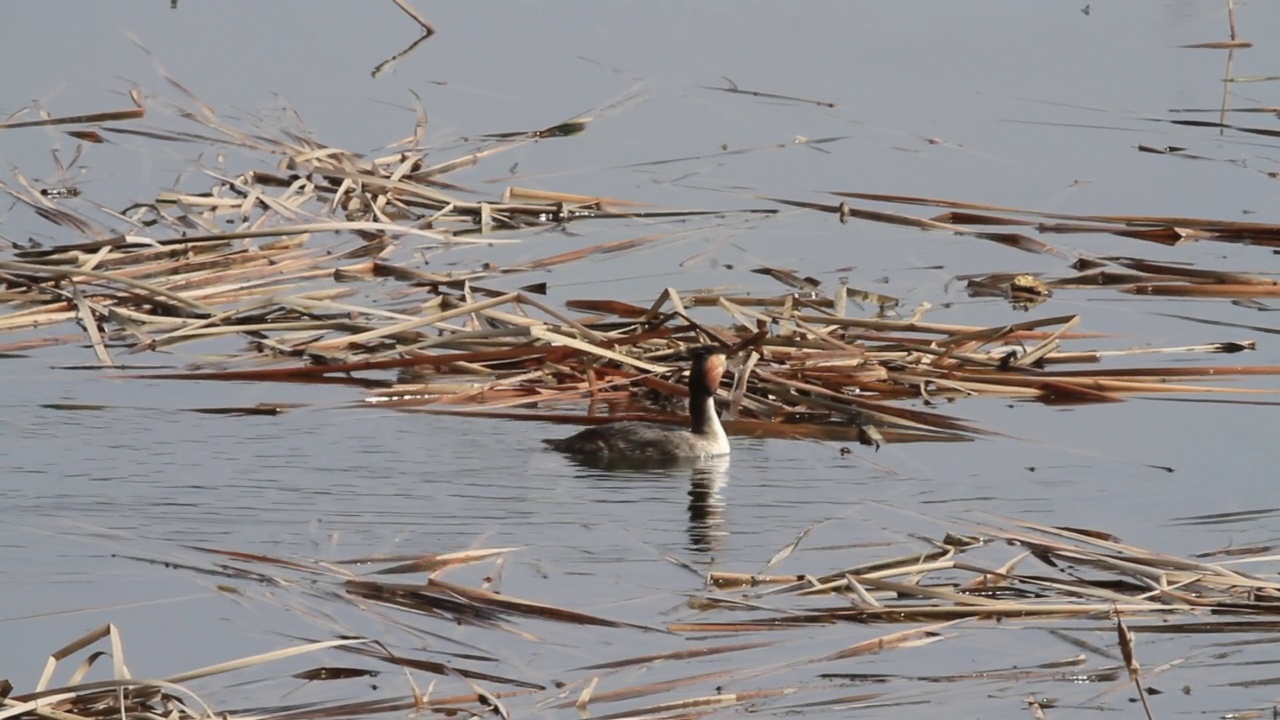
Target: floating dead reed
{"x": 318, "y": 270}
{"x": 751, "y": 641}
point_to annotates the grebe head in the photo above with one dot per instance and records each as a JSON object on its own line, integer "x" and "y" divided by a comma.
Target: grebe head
{"x": 708, "y": 367}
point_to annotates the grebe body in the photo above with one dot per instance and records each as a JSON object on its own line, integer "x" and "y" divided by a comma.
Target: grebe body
{"x": 643, "y": 441}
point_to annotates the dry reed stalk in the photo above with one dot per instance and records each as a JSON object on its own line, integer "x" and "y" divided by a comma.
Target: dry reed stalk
{"x": 242, "y": 259}
{"x": 957, "y": 588}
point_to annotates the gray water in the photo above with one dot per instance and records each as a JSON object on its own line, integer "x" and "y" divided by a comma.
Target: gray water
{"x": 1039, "y": 105}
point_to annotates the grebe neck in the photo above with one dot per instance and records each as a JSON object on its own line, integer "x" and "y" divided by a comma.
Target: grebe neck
{"x": 704, "y": 421}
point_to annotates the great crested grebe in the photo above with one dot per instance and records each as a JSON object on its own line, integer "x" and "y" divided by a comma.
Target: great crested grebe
{"x": 644, "y": 441}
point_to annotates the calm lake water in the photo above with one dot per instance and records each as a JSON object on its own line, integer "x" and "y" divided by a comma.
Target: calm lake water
{"x": 1018, "y": 104}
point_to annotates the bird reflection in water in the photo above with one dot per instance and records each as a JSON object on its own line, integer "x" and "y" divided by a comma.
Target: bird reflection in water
{"x": 706, "y": 504}
{"x": 707, "y": 480}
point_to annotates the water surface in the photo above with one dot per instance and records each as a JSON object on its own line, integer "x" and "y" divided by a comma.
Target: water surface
{"x": 1015, "y": 104}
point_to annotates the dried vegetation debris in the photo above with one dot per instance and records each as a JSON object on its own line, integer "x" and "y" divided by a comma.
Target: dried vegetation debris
{"x": 1132, "y": 275}
{"x": 745, "y": 642}
{"x": 318, "y": 267}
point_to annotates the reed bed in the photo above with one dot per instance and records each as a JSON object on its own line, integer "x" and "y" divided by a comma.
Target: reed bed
{"x": 822, "y": 640}
{"x": 323, "y": 269}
